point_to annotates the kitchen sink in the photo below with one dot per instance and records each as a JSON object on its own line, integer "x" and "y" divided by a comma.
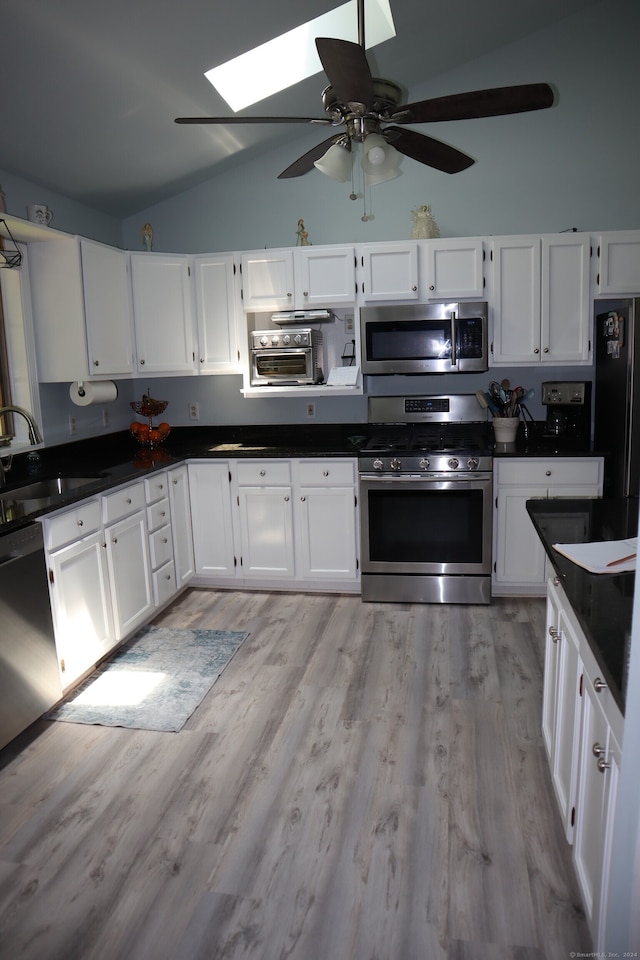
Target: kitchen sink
{"x": 44, "y": 492}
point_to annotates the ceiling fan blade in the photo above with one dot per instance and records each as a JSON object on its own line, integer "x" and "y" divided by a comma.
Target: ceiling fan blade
{"x": 426, "y": 150}
{"x": 347, "y": 70}
{"x": 478, "y": 103}
{"x": 305, "y": 163}
{"x": 322, "y": 120}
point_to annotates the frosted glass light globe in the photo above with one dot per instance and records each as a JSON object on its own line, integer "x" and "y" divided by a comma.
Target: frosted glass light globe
{"x": 376, "y": 156}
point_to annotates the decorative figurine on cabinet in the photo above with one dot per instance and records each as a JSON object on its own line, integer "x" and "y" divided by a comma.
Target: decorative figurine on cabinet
{"x": 147, "y": 237}
{"x": 424, "y": 225}
{"x": 302, "y": 235}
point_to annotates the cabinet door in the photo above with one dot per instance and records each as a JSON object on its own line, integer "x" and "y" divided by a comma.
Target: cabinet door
{"x": 566, "y": 303}
{"x": 163, "y": 313}
{"x": 519, "y": 555}
{"x": 129, "y": 573}
{"x": 324, "y": 276}
{"x": 390, "y": 271}
{"x": 267, "y": 280}
{"x": 550, "y": 681}
{"x": 597, "y": 782}
{"x": 453, "y": 269}
{"x": 566, "y": 739}
{"x": 108, "y": 313}
{"x": 266, "y": 531}
{"x": 326, "y": 517}
{"x": 218, "y": 348}
{"x": 81, "y": 604}
{"x": 210, "y": 496}
{"x": 619, "y": 262}
{"x": 181, "y": 522}
{"x": 515, "y": 299}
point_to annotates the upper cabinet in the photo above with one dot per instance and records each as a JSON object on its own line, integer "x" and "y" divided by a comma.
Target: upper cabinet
{"x": 452, "y": 269}
{"x": 163, "y": 314}
{"x": 220, "y": 348}
{"x": 539, "y": 296}
{"x": 81, "y": 309}
{"x": 294, "y": 279}
{"x": 390, "y": 271}
{"x": 618, "y": 267}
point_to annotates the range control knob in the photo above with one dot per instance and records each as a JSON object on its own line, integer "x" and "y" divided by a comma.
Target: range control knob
{"x": 286, "y": 339}
{"x": 453, "y": 463}
{"x": 424, "y": 464}
{"x": 275, "y": 340}
{"x": 472, "y": 463}
{"x": 264, "y": 341}
{"x": 298, "y": 338}
{"x": 378, "y": 464}
{"x": 395, "y": 464}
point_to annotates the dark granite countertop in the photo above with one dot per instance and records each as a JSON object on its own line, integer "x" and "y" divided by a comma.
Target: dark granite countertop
{"x": 602, "y": 602}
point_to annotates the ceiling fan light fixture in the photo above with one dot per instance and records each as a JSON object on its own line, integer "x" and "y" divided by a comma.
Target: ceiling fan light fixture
{"x": 371, "y": 179}
{"x": 336, "y": 162}
{"x": 379, "y": 159}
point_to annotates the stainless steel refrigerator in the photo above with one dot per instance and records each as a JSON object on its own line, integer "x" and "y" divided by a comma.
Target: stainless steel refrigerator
{"x": 617, "y": 394}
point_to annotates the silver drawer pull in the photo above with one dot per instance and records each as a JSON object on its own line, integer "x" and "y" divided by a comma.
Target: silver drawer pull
{"x": 553, "y": 633}
{"x": 325, "y": 473}
{"x": 263, "y": 473}
{"x": 81, "y": 523}
{"x": 599, "y": 684}
{"x": 602, "y": 765}
{"x": 128, "y": 500}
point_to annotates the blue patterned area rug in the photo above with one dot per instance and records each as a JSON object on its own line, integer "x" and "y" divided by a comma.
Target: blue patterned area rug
{"x": 154, "y": 681}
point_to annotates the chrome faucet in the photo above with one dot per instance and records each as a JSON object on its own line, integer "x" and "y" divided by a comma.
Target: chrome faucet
{"x": 35, "y": 436}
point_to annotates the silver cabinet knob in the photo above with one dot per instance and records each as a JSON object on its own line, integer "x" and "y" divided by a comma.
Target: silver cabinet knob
{"x": 547, "y": 473}
{"x": 302, "y": 499}
{"x": 263, "y": 473}
{"x": 546, "y": 350}
{"x": 81, "y": 523}
{"x": 602, "y": 765}
{"x": 431, "y": 286}
{"x": 286, "y": 499}
{"x": 537, "y": 350}
{"x": 127, "y": 500}
{"x": 553, "y": 633}
{"x": 597, "y": 750}
{"x": 599, "y": 684}
{"x": 414, "y": 288}
{"x": 325, "y": 473}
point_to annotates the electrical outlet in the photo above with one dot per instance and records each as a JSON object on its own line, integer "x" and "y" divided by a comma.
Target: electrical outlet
{"x": 311, "y": 409}
{"x": 348, "y": 322}
{"x": 194, "y": 411}
{"x": 73, "y": 425}
{"x": 106, "y": 422}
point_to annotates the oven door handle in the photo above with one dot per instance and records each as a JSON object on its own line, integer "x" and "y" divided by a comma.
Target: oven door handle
{"x": 426, "y": 478}
{"x": 454, "y": 340}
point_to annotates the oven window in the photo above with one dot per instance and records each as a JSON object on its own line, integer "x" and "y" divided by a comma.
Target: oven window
{"x": 282, "y": 365}
{"x": 409, "y": 340}
{"x": 423, "y": 526}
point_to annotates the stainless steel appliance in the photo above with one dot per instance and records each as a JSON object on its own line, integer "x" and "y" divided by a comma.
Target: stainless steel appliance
{"x": 291, "y": 356}
{"x": 617, "y": 394}
{"x": 425, "y": 480}
{"x": 425, "y": 338}
{"x": 568, "y": 406}
{"x": 29, "y": 677}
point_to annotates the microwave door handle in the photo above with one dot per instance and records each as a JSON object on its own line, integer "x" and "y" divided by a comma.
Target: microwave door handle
{"x": 454, "y": 339}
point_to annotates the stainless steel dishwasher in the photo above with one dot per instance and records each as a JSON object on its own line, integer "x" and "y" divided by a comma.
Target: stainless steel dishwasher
{"x": 29, "y": 677}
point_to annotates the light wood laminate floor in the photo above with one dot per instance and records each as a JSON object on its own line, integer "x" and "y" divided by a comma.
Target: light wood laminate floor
{"x": 364, "y": 782}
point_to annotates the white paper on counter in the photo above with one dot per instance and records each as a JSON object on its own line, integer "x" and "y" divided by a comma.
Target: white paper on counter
{"x": 596, "y": 555}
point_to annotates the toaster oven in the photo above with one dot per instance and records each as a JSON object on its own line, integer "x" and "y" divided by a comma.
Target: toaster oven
{"x": 289, "y": 357}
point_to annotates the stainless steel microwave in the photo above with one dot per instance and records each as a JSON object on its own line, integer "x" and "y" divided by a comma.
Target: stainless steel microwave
{"x": 425, "y": 338}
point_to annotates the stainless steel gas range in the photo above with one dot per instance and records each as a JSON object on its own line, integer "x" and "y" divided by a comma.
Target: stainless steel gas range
{"x": 425, "y": 480}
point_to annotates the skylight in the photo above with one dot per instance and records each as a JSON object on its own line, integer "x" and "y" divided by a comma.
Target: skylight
{"x": 292, "y": 57}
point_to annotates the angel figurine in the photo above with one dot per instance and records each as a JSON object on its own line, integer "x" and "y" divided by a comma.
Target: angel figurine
{"x": 424, "y": 225}
{"x": 302, "y": 235}
{"x": 147, "y": 236}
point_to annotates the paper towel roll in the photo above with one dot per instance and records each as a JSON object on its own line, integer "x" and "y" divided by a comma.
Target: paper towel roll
{"x": 84, "y": 393}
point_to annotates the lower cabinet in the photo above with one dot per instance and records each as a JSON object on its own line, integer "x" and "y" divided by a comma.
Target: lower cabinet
{"x": 280, "y": 522}
{"x": 180, "y": 504}
{"x": 519, "y": 559}
{"x": 582, "y": 730}
{"x": 129, "y": 573}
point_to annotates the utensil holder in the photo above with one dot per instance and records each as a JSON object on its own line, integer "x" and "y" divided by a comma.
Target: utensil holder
{"x": 505, "y": 429}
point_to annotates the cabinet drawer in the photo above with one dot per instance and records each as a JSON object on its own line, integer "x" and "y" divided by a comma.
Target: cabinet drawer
{"x": 123, "y": 502}
{"x": 326, "y": 472}
{"x": 164, "y": 583}
{"x": 73, "y": 524}
{"x": 550, "y": 472}
{"x": 155, "y": 487}
{"x": 158, "y": 514}
{"x": 259, "y": 472}
{"x": 161, "y": 547}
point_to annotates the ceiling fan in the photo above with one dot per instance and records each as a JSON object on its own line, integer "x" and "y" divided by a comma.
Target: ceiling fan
{"x": 370, "y": 107}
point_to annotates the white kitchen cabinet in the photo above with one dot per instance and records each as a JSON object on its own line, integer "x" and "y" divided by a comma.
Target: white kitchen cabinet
{"x": 220, "y": 346}
{"x": 452, "y": 269}
{"x": 595, "y": 808}
{"x": 81, "y": 605}
{"x": 539, "y": 296}
{"x": 390, "y": 271}
{"x": 180, "y": 505}
{"x": 618, "y": 263}
{"x": 159, "y": 526}
{"x": 210, "y": 497}
{"x": 268, "y": 280}
{"x": 265, "y": 515}
{"x": 81, "y": 310}
{"x": 520, "y": 565}
{"x": 163, "y": 314}
{"x": 324, "y": 276}
{"x": 326, "y": 520}
{"x": 129, "y": 573}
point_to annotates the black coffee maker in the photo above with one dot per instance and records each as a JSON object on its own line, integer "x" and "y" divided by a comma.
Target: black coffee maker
{"x": 568, "y": 409}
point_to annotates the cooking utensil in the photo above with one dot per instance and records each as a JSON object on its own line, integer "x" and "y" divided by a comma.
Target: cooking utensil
{"x": 486, "y": 402}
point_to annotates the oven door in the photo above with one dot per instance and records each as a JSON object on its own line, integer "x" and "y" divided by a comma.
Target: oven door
{"x": 426, "y": 526}
{"x": 293, "y": 366}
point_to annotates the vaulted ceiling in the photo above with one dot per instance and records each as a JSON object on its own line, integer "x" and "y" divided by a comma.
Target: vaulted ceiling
{"x": 90, "y": 90}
